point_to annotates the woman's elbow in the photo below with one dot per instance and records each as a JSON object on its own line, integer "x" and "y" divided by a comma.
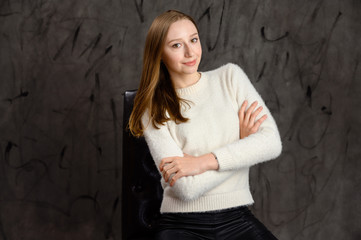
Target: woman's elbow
{"x": 276, "y": 146}
{"x": 278, "y": 149}
{"x": 272, "y": 142}
{"x": 184, "y": 191}
{"x": 188, "y": 196}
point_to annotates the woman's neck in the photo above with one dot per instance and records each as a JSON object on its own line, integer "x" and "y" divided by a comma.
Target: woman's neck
{"x": 185, "y": 80}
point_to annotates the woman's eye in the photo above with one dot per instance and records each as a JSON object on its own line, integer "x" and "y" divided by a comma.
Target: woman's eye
{"x": 177, "y": 45}
{"x": 194, "y": 40}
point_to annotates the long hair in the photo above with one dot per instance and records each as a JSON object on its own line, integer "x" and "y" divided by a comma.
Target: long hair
{"x": 156, "y": 92}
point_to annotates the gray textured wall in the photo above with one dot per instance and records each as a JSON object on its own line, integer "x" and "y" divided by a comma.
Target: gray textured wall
{"x": 64, "y": 65}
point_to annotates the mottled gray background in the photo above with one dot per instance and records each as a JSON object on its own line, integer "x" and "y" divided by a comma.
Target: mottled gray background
{"x": 65, "y": 64}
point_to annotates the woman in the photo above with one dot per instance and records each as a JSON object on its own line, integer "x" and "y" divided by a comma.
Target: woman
{"x": 202, "y": 135}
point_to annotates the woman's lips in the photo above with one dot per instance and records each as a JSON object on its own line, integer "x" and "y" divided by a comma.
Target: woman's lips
{"x": 192, "y": 63}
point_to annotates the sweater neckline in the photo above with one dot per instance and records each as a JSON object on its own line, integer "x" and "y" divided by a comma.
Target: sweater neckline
{"x": 194, "y": 88}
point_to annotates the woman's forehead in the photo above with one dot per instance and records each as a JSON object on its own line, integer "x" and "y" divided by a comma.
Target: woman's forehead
{"x": 181, "y": 29}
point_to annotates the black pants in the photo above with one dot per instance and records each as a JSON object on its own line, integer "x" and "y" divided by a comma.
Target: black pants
{"x": 230, "y": 224}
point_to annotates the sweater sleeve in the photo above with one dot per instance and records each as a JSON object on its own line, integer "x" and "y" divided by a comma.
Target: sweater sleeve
{"x": 261, "y": 146}
{"x": 162, "y": 145}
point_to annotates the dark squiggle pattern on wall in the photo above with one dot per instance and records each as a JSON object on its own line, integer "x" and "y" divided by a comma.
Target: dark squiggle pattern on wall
{"x": 65, "y": 64}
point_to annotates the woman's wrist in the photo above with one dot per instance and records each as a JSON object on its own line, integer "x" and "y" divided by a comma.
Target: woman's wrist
{"x": 210, "y": 161}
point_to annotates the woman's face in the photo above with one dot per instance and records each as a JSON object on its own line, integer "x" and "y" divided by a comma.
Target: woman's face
{"x": 182, "y": 50}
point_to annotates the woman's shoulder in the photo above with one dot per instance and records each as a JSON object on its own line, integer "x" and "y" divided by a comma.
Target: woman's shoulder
{"x": 228, "y": 72}
{"x": 228, "y": 68}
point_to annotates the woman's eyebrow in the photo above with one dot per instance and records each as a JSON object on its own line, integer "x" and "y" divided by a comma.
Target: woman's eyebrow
{"x": 178, "y": 39}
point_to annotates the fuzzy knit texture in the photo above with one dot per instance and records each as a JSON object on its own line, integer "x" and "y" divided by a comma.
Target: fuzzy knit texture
{"x": 214, "y": 127}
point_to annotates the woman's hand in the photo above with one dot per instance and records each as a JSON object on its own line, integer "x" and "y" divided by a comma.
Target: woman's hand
{"x": 173, "y": 168}
{"x": 247, "y": 124}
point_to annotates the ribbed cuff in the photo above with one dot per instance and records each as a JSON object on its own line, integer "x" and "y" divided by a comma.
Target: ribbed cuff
{"x": 225, "y": 159}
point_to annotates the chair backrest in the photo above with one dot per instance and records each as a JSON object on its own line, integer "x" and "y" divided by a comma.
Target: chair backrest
{"x": 141, "y": 189}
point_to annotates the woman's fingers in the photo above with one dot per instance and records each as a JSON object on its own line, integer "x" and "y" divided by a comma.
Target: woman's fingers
{"x": 242, "y": 110}
{"x": 172, "y": 174}
{"x": 249, "y": 112}
{"x": 173, "y": 168}
{"x": 254, "y": 115}
{"x": 258, "y": 123}
{"x": 247, "y": 120}
{"x": 178, "y": 175}
{"x": 167, "y": 173}
{"x": 174, "y": 179}
{"x": 164, "y": 162}
{"x": 169, "y": 166}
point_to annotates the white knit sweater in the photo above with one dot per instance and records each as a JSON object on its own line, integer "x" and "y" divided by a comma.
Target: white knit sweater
{"x": 214, "y": 127}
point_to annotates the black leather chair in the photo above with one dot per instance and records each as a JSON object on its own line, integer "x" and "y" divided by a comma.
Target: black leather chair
{"x": 141, "y": 189}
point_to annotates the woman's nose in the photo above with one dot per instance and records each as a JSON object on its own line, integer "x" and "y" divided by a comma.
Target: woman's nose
{"x": 188, "y": 51}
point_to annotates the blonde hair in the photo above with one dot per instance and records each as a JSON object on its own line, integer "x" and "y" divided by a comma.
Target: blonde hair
{"x": 156, "y": 92}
